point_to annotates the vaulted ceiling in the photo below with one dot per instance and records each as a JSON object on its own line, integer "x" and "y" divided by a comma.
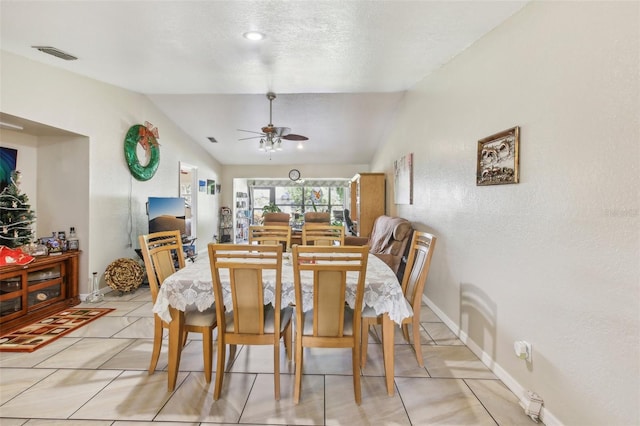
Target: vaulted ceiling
{"x": 339, "y": 68}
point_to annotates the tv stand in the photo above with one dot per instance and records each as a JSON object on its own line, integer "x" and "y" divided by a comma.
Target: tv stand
{"x": 29, "y": 293}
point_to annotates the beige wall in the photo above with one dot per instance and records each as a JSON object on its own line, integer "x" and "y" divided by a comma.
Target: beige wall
{"x": 554, "y": 259}
{"x": 95, "y": 184}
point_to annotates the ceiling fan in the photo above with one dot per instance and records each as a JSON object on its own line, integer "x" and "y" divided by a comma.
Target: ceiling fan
{"x": 271, "y": 136}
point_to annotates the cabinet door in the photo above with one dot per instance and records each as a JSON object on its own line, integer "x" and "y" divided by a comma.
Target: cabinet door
{"x": 11, "y": 292}
{"x": 367, "y": 200}
{"x": 11, "y": 306}
{"x": 10, "y": 284}
{"x": 45, "y": 286}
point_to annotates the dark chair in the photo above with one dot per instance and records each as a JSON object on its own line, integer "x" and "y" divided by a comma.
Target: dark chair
{"x": 348, "y": 223}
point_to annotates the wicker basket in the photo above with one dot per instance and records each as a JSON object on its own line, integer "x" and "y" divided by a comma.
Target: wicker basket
{"x": 124, "y": 275}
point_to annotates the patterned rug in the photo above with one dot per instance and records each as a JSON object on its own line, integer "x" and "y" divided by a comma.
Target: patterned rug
{"x": 40, "y": 333}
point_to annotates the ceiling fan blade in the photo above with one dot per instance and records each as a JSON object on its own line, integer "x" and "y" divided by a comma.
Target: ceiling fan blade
{"x": 282, "y": 131}
{"x": 293, "y": 137}
{"x": 250, "y": 131}
{"x": 271, "y": 132}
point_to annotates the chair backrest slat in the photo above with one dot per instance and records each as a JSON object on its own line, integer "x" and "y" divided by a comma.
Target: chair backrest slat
{"x": 418, "y": 262}
{"x": 248, "y": 306}
{"x": 322, "y": 234}
{"x": 270, "y": 234}
{"x": 163, "y": 255}
{"x": 328, "y": 306}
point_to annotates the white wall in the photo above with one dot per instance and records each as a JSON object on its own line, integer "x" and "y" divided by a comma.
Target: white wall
{"x": 554, "y": 259}
{"x": 114, "y": 202}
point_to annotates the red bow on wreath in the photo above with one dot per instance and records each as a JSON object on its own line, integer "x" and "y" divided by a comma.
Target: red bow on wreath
{"x": 144, "y": 134}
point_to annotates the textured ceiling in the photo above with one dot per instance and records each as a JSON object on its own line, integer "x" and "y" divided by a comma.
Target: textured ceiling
{"x": 339, "y": 68}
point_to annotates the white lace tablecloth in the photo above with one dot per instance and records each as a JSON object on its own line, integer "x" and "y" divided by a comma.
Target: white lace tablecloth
{"x": 192, "y": 285}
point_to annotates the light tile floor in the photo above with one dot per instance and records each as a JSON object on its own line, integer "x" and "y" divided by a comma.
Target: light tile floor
{"x": 98, "y": 376}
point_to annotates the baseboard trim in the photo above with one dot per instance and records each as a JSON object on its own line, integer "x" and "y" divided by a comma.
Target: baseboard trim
{"x": 545, "y": 415}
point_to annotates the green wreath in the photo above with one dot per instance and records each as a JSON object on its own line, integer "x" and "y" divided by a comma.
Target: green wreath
{"x": 134, "y": 136}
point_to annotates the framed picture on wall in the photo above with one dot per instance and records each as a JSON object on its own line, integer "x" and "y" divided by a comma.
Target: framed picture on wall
{"x": 498, "y": 158}
{"x": 211, "y": 187}
{"x": 403, "y": 179}
{"x": 8, "y": 162}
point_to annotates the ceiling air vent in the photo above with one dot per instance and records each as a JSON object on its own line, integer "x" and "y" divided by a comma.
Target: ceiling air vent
{"x": 212, "y": 139}
{"x": 55, "y": 52}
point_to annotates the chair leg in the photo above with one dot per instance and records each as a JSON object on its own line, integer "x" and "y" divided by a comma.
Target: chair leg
{"x": 287, "y": 341}
{"x": 276, "y": 369}
{"x": 417, "y": 347}
{"x": 232, "y": 356}
{"x": 298, "y": 377}
{"x": 365, "y": 342}
{"x": 405, "y": 332}
{"x": 207, "y": 350}
{"x": 356, "y": 372}
{"x": 219, "y": 368}
{"x": 158, "y": 330}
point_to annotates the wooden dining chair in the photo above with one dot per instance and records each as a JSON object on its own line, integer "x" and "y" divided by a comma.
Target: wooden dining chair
{"x": 330, "y": 323}
{"x": 163, "y": 255}
{"x": 270, "y": 234}
{"x": 322, "y": 235}
{"x": 251, "y": 322}
{"x": 416, "y": 272}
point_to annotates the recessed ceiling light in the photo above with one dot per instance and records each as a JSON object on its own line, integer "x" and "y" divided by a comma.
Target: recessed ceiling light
{"x": 253, "y": 35}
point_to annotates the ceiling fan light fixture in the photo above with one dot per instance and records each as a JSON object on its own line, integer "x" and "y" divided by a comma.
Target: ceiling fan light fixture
{"x": 253, "y": 35}
{"x": 271, "y": 136}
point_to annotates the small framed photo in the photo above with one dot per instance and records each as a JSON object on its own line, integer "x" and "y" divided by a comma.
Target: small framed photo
{"x": 498, "y": 158}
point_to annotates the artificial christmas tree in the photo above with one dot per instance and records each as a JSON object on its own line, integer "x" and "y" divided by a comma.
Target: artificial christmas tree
{"x": 16, "y": 216}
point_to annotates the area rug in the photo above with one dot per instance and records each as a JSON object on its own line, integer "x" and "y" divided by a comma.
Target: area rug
{"x": 40, "y": 333}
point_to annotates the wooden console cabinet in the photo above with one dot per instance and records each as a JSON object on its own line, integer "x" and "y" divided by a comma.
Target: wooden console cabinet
{"x": 367, "y": 201}
{"x": 31, "y": 292}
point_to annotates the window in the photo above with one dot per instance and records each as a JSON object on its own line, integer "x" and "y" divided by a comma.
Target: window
{"x": 296, "y": 200}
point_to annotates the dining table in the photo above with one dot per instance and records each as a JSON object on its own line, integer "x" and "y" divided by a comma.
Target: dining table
{"x": 192, "y": 286}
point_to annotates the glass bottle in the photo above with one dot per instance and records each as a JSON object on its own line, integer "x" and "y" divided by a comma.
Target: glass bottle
{"x": 96, "y": 295}
{"x": 62, "y": 238}
{"x": 73, "y": 243}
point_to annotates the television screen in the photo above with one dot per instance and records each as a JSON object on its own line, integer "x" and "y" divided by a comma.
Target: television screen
{"x": 166, "y": 214}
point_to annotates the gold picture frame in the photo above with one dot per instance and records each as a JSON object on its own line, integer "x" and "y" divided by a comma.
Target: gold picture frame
{"x": 498, "y": 158}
